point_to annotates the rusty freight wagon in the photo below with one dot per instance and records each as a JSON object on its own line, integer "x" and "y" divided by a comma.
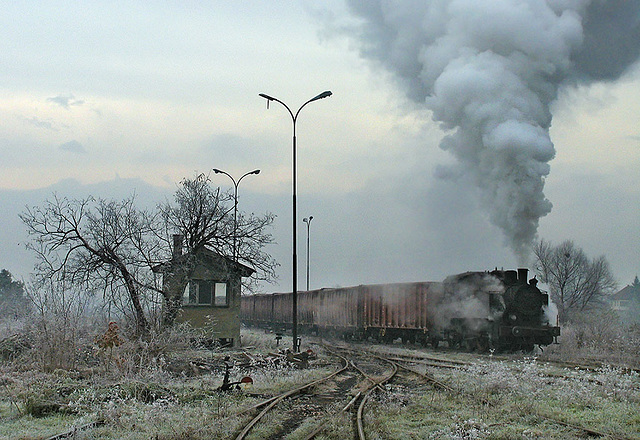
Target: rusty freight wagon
{"x": 383, "y": 311}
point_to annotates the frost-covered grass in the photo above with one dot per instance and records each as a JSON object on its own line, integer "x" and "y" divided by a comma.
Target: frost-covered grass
{"x": 513, "y": 400}
{"x": 597, "y": 337}
{"x": 152, "y": 391}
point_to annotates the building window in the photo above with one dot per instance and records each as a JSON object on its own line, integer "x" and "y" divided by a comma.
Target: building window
{"x": 206, "y": 292}
{"x": 220, "y": 294}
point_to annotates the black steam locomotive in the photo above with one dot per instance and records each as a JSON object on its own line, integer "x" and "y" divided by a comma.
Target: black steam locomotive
{"x": 518, "y": 315}
{"x": 472, "y": 311}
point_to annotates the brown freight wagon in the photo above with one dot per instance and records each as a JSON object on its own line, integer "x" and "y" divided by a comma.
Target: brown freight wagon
{"x": 382, "y": 312}
{"x": 330, "y": 312}
{"x": 267, "y": 310}
{"x": 400, "y": 310}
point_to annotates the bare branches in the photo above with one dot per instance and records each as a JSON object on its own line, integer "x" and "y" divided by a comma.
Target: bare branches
{"x": 576, "y": 283}
{"x": 92, "y": 243}
{"x": 202, "y": 214}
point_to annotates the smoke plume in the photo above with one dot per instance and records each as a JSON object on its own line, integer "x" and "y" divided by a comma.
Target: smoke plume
{"x": 489, "y": 70}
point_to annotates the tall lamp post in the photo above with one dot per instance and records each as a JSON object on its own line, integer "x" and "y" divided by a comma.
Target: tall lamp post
{"x": 294, "y": 298}
{"x": 308, "y": 222}
{"x": 235, "y": 204}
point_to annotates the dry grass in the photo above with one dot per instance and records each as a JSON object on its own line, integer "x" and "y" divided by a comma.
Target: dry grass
{"x": 140, "y": 390}
{"x": 144, "y": 390}
{"x": 597, "y": 337}
{"x": 512, "y": 399}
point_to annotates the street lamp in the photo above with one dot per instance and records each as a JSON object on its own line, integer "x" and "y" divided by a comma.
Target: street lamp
{"x": 308, "y": 222}
{"x": 294, "y": 298}
{"x": 235, "y": 204}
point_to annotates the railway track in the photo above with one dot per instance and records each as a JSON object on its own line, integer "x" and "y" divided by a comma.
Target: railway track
{"x": 373, "y": 381}
{"x": 268, "y": 405}
{"x": 372, "y": 372}
{"x": 399, "y": 372}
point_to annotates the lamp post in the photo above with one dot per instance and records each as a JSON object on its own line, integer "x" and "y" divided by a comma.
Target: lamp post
{"x": 235, "y": 204}
{"x": 308, "y": 222}
{"x": 294, "y": 298}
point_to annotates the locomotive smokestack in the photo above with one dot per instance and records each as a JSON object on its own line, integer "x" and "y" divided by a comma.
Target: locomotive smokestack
{"x": 522, "y": 275}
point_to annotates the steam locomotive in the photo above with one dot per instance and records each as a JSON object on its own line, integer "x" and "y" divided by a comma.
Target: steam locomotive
{"x": 472, "y": 311}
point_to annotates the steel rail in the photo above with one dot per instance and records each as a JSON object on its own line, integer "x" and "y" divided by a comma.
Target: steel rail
{"x": 363, "y": 402}
{"x": 361, "y": 396}
{"x": 74, "y": 430}
{"x": 437, "y": 364}
{"x": 588, "y": 431}
{"x": 273, "y": 401}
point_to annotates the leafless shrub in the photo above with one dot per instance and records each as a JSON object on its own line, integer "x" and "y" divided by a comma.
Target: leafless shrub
{"x": 597, "y": 336}
{"x": 58, "y": 325}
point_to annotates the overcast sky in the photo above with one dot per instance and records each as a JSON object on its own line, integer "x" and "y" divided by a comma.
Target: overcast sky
{"x": 115, "y": 97}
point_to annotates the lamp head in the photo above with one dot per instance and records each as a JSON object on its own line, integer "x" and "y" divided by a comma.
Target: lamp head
{"x": 322, "y": 95}
{"x": 217, "y": 171}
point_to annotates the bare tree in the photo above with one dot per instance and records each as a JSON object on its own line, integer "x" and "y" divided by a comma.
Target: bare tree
{"x": 96, "y": 244}
{"x": 114, "y": 247}
{"x": 202, "y": 215}
{"x": 575, "y": 282}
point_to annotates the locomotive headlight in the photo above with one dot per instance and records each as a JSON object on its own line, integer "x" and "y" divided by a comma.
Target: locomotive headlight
{"x": 513, "y": 317}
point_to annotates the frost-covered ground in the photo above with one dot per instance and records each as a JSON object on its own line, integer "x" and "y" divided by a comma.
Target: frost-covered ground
{"x": 166, "y": 390}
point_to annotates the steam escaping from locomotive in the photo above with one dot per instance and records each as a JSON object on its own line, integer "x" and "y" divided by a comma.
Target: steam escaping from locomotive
{"x": 489, "y": 71}
{"x": 551, "y": 313}
{"x": 464, "y": 298}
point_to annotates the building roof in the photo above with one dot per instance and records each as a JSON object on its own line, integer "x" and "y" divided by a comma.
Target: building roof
{"x": 629, "y": 293}
{"x": 208, "y": 258}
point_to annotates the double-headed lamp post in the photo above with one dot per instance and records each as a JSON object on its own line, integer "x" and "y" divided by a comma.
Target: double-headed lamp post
{"x": 307, "y": 220}
{"x": 294, "y": 298}
{"x": 235, "y": 204}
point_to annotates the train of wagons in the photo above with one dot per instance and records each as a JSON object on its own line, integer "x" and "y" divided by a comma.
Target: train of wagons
{"x": 493, "y": 310}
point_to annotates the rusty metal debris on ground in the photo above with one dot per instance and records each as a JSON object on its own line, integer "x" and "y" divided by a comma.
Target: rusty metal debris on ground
{"x": 226, "y": 383}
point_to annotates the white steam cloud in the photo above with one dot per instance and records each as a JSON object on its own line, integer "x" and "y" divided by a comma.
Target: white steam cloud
{"x": 489, "y": 70}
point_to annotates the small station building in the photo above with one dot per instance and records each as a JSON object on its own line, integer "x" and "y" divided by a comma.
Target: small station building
{"x": 209, "y": 286}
